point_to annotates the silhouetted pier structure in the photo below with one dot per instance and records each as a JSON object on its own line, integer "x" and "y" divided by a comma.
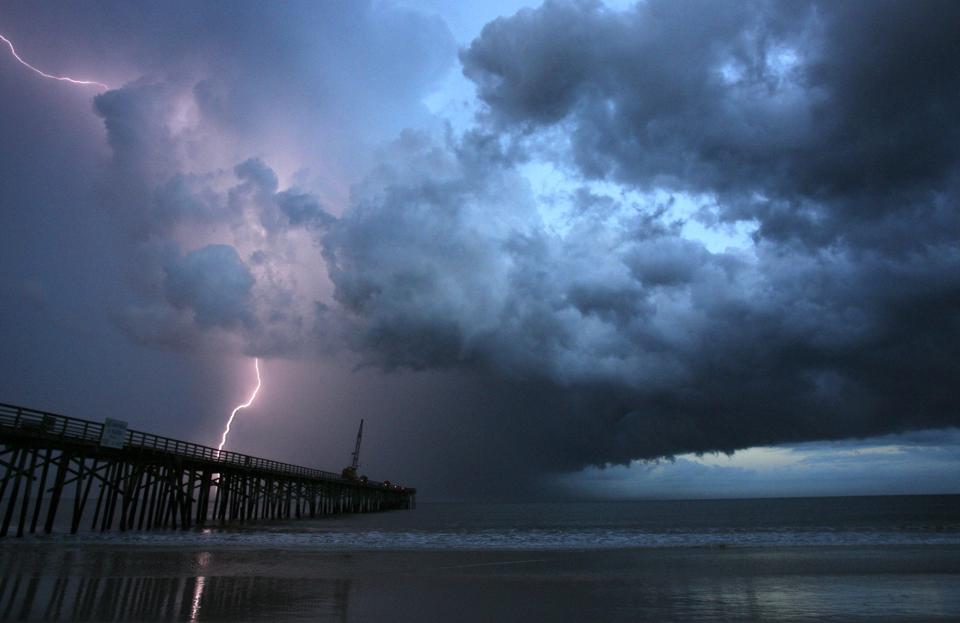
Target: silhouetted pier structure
{"x": 142, "y": 481}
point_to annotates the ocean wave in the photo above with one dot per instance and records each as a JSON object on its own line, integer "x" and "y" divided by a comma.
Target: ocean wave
{"x": 507, "y": 539}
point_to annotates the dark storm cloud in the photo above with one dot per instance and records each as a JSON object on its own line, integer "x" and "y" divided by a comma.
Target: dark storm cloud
{"x": 143, "y": 148}
{"x": 655, "y": 344}
{"x": 830, "y": 125}
{"x": 278, "y": 210}
{"x": 214, "y": 283}
{"x": 815, "y": 118}
{"x": 257, "y": 173}
{"x": 302, "y": 209}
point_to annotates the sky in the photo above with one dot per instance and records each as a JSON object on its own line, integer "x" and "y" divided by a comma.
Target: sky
{"x": 569, "y": 250}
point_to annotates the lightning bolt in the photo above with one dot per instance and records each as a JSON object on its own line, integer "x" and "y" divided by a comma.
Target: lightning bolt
{"x": 92, "y": 83}
{"x": 253, "y": 396}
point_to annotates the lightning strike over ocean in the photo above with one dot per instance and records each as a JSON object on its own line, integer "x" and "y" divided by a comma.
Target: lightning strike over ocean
{"x": 13, "y": 51}
{"x": 253, "y": 396}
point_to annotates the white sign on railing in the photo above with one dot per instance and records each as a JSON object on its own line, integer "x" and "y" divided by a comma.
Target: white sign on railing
{"x": 114, "y": 433}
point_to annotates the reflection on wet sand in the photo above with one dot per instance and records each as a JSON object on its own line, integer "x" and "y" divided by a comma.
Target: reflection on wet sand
{"x": 203, "y": 559}
{"x": 50, "y": 581}
{"x": 29, "y": 597}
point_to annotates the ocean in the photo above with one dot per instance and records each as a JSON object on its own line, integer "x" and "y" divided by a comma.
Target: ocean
{"x": 853, "y": 558}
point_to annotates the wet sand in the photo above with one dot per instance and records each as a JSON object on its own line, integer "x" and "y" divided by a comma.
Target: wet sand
{"x": 57, "y": 581}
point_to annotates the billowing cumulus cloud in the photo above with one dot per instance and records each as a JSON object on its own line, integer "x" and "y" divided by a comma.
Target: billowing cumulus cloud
{"x": 822, "y": 120}
{"x": 217, "y": 262}
{"x": 663, "y": 346}
{"x": 247, "y": 143}
{"x": 839, "y": 319}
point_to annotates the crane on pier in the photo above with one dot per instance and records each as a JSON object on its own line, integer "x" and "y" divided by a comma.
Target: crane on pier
{"x": 350, "y": 472}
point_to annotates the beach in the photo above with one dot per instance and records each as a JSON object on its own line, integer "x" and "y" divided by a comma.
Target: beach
{"x": 101, "y": 582}
{"x": 889, "y": 558}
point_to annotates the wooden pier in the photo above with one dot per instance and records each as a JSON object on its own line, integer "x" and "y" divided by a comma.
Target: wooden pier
{"x": 141, "y": 481}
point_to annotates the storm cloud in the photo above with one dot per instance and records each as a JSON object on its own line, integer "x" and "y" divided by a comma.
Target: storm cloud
{"x": 829, "y": 127}
{"x": 820, "y": 120}
{"x": 755, "y": 240}
{"x": 214, "y": 283}
{"x": 663, "y": 346}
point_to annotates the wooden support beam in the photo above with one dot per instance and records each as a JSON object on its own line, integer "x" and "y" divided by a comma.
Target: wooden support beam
{"x": 40, "y": 493}
{"x": 12, "y": 500}
{"x": 204, "y": 498}
{"x": 62, "y": 467}
{"x": 102, "y": 492}
{"x": 155, "y": 481}
{"x": 10, "y": 470}
{"x": 25, "y": 505}
{"x": 116, "y": 487}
